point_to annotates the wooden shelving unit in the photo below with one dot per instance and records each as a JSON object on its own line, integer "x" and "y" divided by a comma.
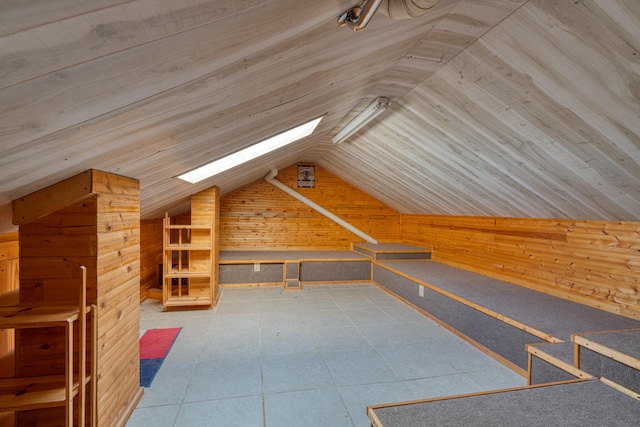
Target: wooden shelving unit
{"x": 190, "y": 256}
{"x": 188, "y": 265}
{"x": 27, "y": 393}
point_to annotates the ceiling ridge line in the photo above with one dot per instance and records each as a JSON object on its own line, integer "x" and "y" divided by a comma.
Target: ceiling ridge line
{"x": 440, "y": 22}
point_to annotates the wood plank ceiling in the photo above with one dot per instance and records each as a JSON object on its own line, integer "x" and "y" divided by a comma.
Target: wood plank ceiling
{"x": 525, "y": 108}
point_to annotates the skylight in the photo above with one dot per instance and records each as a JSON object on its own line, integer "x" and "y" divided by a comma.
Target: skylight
{"x": 250, "y": 153}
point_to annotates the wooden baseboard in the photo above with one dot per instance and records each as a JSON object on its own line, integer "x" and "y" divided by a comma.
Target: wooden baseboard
{"x": 154, "y": 293}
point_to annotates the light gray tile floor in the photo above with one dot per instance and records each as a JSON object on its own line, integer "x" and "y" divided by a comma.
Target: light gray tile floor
{"x": 266, "y": 357}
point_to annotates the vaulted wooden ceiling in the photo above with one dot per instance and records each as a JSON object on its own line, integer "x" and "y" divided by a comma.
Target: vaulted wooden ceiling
{"x": 521, "y": 108}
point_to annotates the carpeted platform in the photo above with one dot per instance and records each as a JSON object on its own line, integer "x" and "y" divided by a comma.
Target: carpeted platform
{"x": 554, "y": 316}
{"x": 390, "y": 247}
{"x": 281, "y": 256}
{"x": 335, "y": 271}
{"x": 266, "y": 272}
{"x": 622, "y": 342}
{"x": 500, "y": 337}
{"x": 380, "y": 251}
{"x": 271, "y": 267}
{"x": 498, "y": 315}
{"x": 505, "y": 318}
{"x": 614, "y": 355}
{"x": 585, "y": 403}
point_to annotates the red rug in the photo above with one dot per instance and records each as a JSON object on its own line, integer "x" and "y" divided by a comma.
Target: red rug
{"x": 154, "y": 347}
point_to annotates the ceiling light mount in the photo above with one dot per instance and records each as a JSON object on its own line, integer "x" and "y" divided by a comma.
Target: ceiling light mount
{"x": 368, "y": 114}
{"x": 359, "y": 16}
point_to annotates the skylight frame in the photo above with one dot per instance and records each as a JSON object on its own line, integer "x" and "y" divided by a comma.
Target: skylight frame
{"x": 250, "y": 153}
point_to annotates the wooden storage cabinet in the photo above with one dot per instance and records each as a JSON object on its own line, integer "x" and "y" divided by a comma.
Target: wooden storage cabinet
{"x": 187, "y": 265}
{"x": 190, "y": 255}
{"x": 50, "y": 391}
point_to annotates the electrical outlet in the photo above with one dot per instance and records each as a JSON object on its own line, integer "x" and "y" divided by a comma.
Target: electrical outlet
{"x": 421, "y": 290}
{"x": 256, "y": 266}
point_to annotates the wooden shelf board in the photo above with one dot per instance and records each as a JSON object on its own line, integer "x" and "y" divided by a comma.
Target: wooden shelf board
{"x": 36, "y": 317}
{"x": 188, "y": 301}
{"x": 19, "y": 394}
{"x": 186, "y": 274}
{"x": 10, "y": 299}
{"x": 187, "y": 227}
{"x": 187, "y": 247}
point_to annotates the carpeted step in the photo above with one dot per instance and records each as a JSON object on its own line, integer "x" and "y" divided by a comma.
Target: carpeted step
{"x": 613, "y": 356}
{"x": 292, "y": 285}
{"x": 582, "y": 403}
{"x": 552, "y": 362}
{"x": 391, "y": 251}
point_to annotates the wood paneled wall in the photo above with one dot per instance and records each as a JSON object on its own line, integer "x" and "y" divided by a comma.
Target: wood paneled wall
{"x": 118, "y": 298}
{"x": 260, "y": 216}
{"x": 9, "y": 281}
{"x": 150, "y": 255}
{"x": 100, "y": 229}
{"x": 51, "y": 251}
{"x": 596, "y": 263}
{"x": 205, "y": 211}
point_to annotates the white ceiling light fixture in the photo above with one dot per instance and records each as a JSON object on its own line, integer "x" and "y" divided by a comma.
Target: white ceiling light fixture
{"x": 368, "y": 114}
{"x": 250, "y": 153}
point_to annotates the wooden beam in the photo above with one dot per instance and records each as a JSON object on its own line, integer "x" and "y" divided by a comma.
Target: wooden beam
{"x": 51, "y": 199}
{"x": 71, "y": 191}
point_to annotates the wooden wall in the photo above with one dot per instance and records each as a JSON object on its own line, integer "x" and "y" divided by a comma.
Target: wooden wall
{"x": 118, "y": 272}
{"x": 205, "y": 211}
{"x": 100, "y": 229}
{"x": 596, "y": 263}
{"x": 150, "y": 255}
{"x": 260, "y": 216}
{"x": 9, "y": 281}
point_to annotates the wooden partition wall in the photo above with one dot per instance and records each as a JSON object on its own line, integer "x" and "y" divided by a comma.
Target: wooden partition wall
{"x": 150, "y": 256}
{"x": 91, "y": 219}
{"x": 260, "y": 216}
{"x": 596, "y": 263}
{"x": 9, "y": 281}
